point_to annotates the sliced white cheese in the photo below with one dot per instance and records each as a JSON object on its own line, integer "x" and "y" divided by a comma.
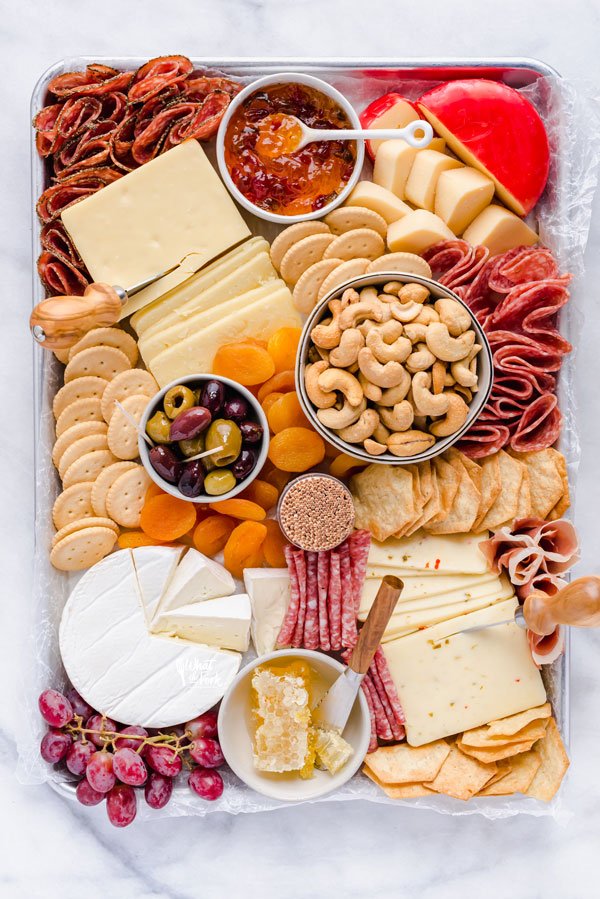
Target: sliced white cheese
{"x": 422, "y": 181}
{"x": 499, "y": 230}
{"x": 269, "y": 591}
{"x": 448, "y": 682}
{"x": 154, "y": 567}
{"x": 196, "y": 579}
{"x": 223, "y": 622}
{"x": 419, "y": 592}
{"x": 416, "y": 232}
{"x": 486, "y": 595}
{"x": 452, "y": 554}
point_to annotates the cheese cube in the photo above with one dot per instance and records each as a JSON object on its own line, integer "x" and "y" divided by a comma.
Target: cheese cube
{"x": 423, "y": 178}
{"x": 393, "y": 164}
{"x": 379, "y": 199}
{"x": 499, "y": 230}
{"x": 150, "y": 219}
{"x": 460, "y": 196}
{"x": 449, "y": 682}
{"x": 416, "y": 232}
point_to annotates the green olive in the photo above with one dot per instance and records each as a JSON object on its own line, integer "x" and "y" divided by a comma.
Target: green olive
{"x": 219, "y": 481}
{"x": 193, "y": 446}
{"x": 228, "y": 435}
{"x": 158, "y": 427}
{"x": 178, "y": 399}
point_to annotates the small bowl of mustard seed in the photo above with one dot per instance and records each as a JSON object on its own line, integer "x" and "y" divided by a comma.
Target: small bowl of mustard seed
{"x": 316, "y": 512}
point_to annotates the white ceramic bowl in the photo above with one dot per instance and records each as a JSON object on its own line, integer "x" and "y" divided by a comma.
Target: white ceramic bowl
{"x": 308, "y": 81}
{"x": 236, "y": 728}
{"x": 484, "y": 370}
{"x": 258, "y": 414}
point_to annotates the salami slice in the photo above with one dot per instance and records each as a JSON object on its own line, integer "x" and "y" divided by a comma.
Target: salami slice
{"x": 389, "y": 685}
{"x": 395, "y": 726}
{"x": 483, "y": 439}
{"x": 349, "y": 631}
{"x": 157, "y": 74}
{"x": 382, "y": 725}
{"x": 323, "y": 588}
{"x": 300, "y": 564}
{"x": 540, "y": 425}
{"x": 523, "y": 265}
{"x": 60, "y": 277}
{"x": 95, "y": 80}
{"x": 288, "y": 625}
{"x": 373, "y": 740}
{"x": 311, "y": 622}
{"x": 335, "y": 601}
{"x": 60, "y": 196}
{"x": 360, "y": 544}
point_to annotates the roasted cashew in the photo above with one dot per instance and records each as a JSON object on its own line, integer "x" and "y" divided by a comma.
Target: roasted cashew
{"x": 357, "y": 312}
{"x": 349, "y": 296}
{"x": 346, "y": 353}
{"x": 399, "y": 418}
{"x": 371, "y": 391}
{"x": 393, "y": 288}
{"x": 409, "y": 443}
{"x": 454, "y": 418}
{"x": 318, "y": 397}
{"x": 449, "y": 380}
{"x": 367, "y": 294}
{"x": 327, "y": 334}
{"x": 374, "y": 448}
{"x": 398, "y": 349}
{"x": 396, "y": 394}
{"x": 404, "y": 312}
{"x": 341, "y": 418}
{"x": 389, "y": 374}
{"x": 446, "y": 348}
{"x": 427, "y": 315}
{"x": 415, "y": 332}
{"x": 381, "y": 433}
{"x": 427, "y": 403}
{"x": 366, "y": 326}
{"x": 462, "y": 374}
{"x": 438, "y": 376}
{"x": 465, "y": 392}
{"x": 338, "y": 379}
{"x": 361, "y": 429}
{"x": 413, "y": 293}
{"x": 453, "y": 315}
{"x": 420, "y": 360}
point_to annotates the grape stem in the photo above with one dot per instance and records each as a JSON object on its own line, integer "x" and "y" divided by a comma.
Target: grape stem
{"x": 179, "y": 743}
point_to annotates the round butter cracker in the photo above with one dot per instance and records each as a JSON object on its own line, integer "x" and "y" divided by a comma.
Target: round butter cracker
{"x": 351, "y": 268}
{"x": 122, "y": 434}
{"x": 349, "y": 218}
{"x": 104, "y": 482}
{"x": 287, "y": 238}
{"x": 82, "y": 549}
{"x": 73, "y": 504}
{"x": 303, "y": 254}
{"x": 134, "y": 382}
{"x": 76, "y": 432}
{"x": 81, "y": 523}
{"x": 87, "y": 467}
{"x": 115, "y": 337}
{"x": 409, "y": 263}
{"x": 125, "y": 498}
{"x": 79, "y": 448}
{"x": 85, "y": 388}
{"x": 308, "y": 285}
{"x": 361, "y": 243}
{"x": 80, "y": 411}
{"x": 99, "y": 361}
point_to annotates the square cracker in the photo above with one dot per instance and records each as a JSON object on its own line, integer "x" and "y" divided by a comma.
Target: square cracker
{"x": 517, "y": 778}
{"x": 430, "y": 495}
{"x": 407, "y": 764}
{"x": 461, "y": 776}
{"x": 480, "y": 737}
{"x": 447, "y": 480}
{"x": 490, "y": 488}
{"x": 505, "y": 506}
{"x": 547, "y": 477}
{"x": 524, "y": 503}
{"x": 399, "y": 791}
{"x": 418, "y": 500}
{"x": 383, "y": 499}
{"x": 565, "y": 501}
{"x": 496, "y": 753}
{"x": 462, "y": 515}
{"x": 553, "y": 768}
{"x": 505, "y": 727}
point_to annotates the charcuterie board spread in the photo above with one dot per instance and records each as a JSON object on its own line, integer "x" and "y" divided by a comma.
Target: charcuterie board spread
{"x": 327, "y": 461}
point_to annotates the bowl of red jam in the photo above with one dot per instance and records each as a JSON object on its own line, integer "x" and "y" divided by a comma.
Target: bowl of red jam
{"x": 256, "y": 155}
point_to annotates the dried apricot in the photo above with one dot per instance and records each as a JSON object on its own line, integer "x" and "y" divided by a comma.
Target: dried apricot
{"x": 244, "y": 547}
{"x": 274, "y": 545}
{"x": 268, "y": 401}
{"x": 261, "y": 492}
{"x": 282, "y": 382}
{"x": 287, "y": 412}
{"x": 283, "y": 346}
{"x": 277, "y": 478}
{"x": 153, "y": 490}
{"x": 245, "y": 362}
{"x": 344, "y": 465}
{"x": 133, "y": 539}
{"x": 240, "y": 508}
{"x": 212, "y": 533}
{"x": 166, "y": 517}
{"x": 296, "y": 449}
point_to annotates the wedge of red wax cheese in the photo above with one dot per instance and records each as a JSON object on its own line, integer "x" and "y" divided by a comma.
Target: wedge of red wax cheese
{"x": 496, "y": 129}
{"x": 390, "y": 111}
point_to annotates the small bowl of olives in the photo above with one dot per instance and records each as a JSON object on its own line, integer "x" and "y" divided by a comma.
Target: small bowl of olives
{"x": 194, "y": 414}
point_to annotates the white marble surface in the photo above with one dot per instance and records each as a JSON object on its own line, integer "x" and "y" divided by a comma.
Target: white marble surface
{"x": 50, "y": 848}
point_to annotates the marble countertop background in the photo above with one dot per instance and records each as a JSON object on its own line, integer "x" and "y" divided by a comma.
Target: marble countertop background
{"x": 50, "y": 848}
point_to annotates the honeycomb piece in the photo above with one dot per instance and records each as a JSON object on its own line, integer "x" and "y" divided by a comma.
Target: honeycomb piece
{"x": 283, "y": 741}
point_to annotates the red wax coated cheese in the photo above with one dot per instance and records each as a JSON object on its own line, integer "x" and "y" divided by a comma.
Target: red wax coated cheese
{"x": 390, "y": 111}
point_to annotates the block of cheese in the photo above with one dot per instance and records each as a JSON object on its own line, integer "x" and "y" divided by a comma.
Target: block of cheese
{"x": 269, "y": 591}
{"x": 449, "y": 682}
{"x": 169, "y": 335}
{"x": 394, "y": 161}
{"x": 373, "y": 196}
{"x": 154, "y": 567}
{"x": 206, "y": 278}
{"x": 499, "y": 230}
{"x": 423, "y": 177}
{"x": 452, "y": 554}
{"x": 460, "y": 196}
{"x": 196, "y": 353}
{"x": 153, "y": 217}
{"x": 419, "y": 592}
{"x": 223, "y": 622}
{"x": 196, "y": 579}
{"x": 416, "y": 232}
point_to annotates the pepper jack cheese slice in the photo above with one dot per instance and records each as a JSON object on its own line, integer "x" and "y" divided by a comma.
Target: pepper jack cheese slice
{"x": 416, "y": 232}
{"x": 373, "y": 196}
{"x": 452, "y": 554}
{"x": 449, "y": 682}
{"x": 460, "y": 196}
{"x": 423, "y": 177}
{"x": 499, "y": 230}
{"x": 150, "y": 219}
{"x": 420, "y": 593}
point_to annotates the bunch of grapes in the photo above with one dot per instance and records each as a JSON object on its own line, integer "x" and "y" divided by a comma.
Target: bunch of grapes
{"x": 112, "y": 760}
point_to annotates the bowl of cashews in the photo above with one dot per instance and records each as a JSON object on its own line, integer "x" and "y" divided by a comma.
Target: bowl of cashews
{"x": 393, "y": 367}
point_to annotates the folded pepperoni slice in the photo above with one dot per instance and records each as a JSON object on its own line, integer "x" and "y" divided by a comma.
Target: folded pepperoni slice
{"x": 87, "y": 151}
{"x": 61, "y": 277}
{"x": 97, "y": 79}
{"x": 82, "y": 184}
{"x": 204, "y": 122}
{"x": 540, "y": 425}
{"x": 483, "y": 439}
{"x": 55, "y": 240}
{"x": 198, "y": 86}
{"x": 157, "y": 74}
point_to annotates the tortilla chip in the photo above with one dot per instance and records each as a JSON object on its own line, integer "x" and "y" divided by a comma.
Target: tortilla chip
{"x": 553, "y": 768}
{"x": 461, "y": 516}
{"x": 399, "y": 791}
{"x": 383, "y": 499}
{"x": 407, "y": 764}
{"x": 504, "y": 507}
{"x": 506, "y": 727}
{"x": 490, "y": 488}
{"x": 517, "y": 779}
{"x": 524, "y": 503}
{"x": 496, "y": 753}
{"x": 447, "y": 480}
{"x": 480, "y": 737}
{"x": 546, "y": 479}
{"x": 461, "y": 776}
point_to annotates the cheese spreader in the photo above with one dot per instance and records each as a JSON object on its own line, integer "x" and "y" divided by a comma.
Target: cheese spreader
{"x": 333, "y": 711}
{"x": 577, "y": 604}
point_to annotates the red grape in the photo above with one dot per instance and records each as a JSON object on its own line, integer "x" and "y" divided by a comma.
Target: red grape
{"x": 55, "y": 745}
{"x": 207, "y": 784}
{"x": 158, "y": 790}
{"x": 163, "y": 760}
{"x": 121, "y": 805}
{"x": 203, "y": 726}
{"x": 78, "y": 756}
{"x": 97, "y": 722}
{"x": 55, "y": 708}
{"x": 80, "y": 706}
{"x": 129, "y": 767}
{"x": 122, "y": 742}
{"x": 207, "y": 753}
{"x": 87, "y": 795}
{"x": 99, "y": 771}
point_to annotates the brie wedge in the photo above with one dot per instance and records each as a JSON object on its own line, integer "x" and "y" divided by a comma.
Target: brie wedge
{"x": 223, "y": 622}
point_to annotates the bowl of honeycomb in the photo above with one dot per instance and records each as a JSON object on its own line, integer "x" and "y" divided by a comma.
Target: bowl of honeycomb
{"x": 267, "y": 734}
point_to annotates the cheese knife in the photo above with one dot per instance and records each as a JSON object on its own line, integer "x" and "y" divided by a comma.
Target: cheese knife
{"x": 333, "y": 710}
